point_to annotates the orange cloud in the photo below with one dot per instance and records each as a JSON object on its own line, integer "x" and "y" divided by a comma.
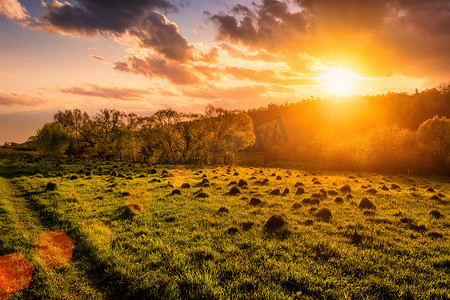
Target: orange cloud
{"x": 99, "y": 58}
{"x": 19, "y": 99}
{"x": 153, "y": 66}
{"x": 13, "y": 10}
{"x": 374, "y": 37}
{"x": 266, "y": 76}
{"x": 249, "y": 54}
{"x": 127, "y": 94}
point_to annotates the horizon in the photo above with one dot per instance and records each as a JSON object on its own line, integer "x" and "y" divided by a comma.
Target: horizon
{"x": 43, "y": 117}
{"x": 187, "y": 55}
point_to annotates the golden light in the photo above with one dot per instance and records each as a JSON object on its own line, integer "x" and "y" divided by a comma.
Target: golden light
{"x": 338, "y": 81}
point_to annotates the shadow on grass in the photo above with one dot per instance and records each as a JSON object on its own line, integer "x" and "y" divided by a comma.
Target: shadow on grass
{"x": 98, "y": 270}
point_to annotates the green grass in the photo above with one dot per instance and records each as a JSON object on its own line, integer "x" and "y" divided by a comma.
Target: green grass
{"x": 134, "y": 240}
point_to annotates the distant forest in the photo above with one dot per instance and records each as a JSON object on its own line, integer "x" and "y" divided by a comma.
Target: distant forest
{"x": 393, "y": 132}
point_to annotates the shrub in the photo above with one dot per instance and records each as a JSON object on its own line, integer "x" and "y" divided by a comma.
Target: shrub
{"x": 433, "y": 144}
{"x": 310, "y": 201}
{"x": 346, "y": 189}
{"x": 366, "y": 204}
{"x": 436, "y": 214}
{"x": 232, "y": 230}
{"x": 51, "y": 186}
{"x": 296, "y": 205}
{"x": 338, "y": 200}
{"x": 242, "y": 183}
{"x": 324, "y": 214}
{"x": 255, "y": 201}
{"x": 234, "y": 191}
{"x": 176, "y": 192}
{"x": 372, "y": 191}
{"x": 300, "y": 191}
{"x": 223, "y": 210}
{"x": 275, "y": 222}
{"x": 247, "y": 225}
{"x": 275, "y": 192}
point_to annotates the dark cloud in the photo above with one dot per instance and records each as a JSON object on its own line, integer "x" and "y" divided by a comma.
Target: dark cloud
{"x": 89, "y": 17}
{"x": 352, "y": 15}
{"x": 137, "y": 19}
{"x": 127, "y": 94}
{"x": 153, "y": 66}
{"x": 406, "y": 36}
{"x": 156, "y": 32}
{"x": 19, "y": 99}
{"x": 270, "y": 25}
{"x": 419, "y": 31}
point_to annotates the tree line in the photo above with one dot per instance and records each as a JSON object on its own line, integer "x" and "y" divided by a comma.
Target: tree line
{"x": 165, "y": 137}
{"x": 391, "y": 132}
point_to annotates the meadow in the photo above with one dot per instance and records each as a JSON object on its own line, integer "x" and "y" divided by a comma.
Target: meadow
{"x": 226, "y": 232}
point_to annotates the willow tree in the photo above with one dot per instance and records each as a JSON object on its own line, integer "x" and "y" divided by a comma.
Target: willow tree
{"x": 52, "y": 139}
{"x": 231, "y": 131}
{"x": 76, "y": 123}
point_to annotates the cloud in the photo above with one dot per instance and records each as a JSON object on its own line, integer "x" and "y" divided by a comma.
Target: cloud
{"x": 270, "y": 25}
{"x": 158, "y": 33}
{"x": 153, "y": 66}
{"x": 373, "y": 37}
{"x": 135, "y": 20}
{"x": 209, "y": 71}
{"x": 13, "y": 10}
{"x": 212, "y": 56}
{"x": 127, "y": 94}
{"x": 90, "y": 17}
{"x": 99, "y": 58}
{"x": 267, "y": 76}
{"x": 19, "y": 99}
{"x": 249, "y": 54}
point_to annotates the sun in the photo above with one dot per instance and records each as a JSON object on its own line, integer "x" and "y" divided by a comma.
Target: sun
{"x": 338, "y": 81}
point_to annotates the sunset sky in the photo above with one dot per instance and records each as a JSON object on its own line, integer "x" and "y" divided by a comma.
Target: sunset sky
{"x": 144, "y": 55}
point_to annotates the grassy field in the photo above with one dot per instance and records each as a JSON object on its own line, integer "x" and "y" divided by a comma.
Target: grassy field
{"x": 141, "y": 232}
